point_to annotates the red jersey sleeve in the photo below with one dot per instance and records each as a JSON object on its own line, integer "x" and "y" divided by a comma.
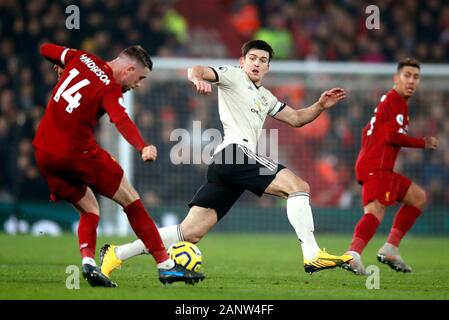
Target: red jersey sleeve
{"x": 57, "y": 54}
{"x": 397, "y": 128}
{"x": 404, "y": 140}
{"x": 113, "y": 105}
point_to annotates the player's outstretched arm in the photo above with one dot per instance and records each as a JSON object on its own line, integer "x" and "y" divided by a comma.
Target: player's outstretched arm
{"x": 201, "y": 77}
{"x": 431, "y": 143}
{"x": 113, "y": 105}
{"x": 129, "y": 131}
{"x": 149, "y": 153}
{"x": 396, "y": 133}
{"x": 403, "y": 140}
{"x": 330, "y": 98}
{"x": 57, "y": 54}
{"x": 298, "y": 118}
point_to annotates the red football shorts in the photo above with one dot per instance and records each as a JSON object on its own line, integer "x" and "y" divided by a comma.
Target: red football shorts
{"x": 387, "y": 187}
{"x": 68, "y": 178}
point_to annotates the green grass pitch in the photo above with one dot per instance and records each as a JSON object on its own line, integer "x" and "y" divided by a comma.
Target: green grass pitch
{"x": 250, "y": 267}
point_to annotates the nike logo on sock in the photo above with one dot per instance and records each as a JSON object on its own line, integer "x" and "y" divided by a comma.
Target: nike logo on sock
{"x": 84, "y": 245}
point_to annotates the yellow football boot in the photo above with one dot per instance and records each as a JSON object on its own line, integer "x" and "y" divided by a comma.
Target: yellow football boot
{"x": 324, "y": 260}
{"x": 108, "y": 260}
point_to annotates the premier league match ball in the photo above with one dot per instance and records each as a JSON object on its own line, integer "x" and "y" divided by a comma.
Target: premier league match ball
{"x": 186, "y": 254}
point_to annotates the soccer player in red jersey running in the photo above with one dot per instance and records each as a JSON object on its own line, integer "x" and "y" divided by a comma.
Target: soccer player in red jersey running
{"x": 382, "y": 138}
{"x": 75, "y": 166}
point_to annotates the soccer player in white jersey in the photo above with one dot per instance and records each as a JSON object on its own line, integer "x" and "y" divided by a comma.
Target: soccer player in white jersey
{"x": 243, "y": 106}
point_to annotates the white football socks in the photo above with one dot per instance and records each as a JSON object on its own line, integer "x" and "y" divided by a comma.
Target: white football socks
{"x": 169, "y": 235}
{"x": 300, "y": 216}
{"x": 129, "y": 250}
{"x": 354, "y": 254}
{"x": 167, "y": 264}
{"x": 87, "y": 260}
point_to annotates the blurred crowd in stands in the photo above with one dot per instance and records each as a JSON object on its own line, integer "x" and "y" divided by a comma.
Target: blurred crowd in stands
{"x": 323, "y": 152}
{"x": 317, "y": 30}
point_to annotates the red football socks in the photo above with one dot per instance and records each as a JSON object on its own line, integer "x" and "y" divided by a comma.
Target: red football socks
{"x": 87, "y": 234}
{"x": 403, "y": 221}
{"x": 363, "y": 232}
{"x": 146, "y": 230}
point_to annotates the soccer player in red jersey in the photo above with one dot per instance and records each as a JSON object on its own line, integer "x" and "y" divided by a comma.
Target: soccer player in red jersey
{"x": 382, "y": 138}
{"x": 75, "y": 166}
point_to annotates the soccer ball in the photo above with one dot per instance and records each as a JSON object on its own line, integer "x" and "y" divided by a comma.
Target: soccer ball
{"x": 186, "y": 254}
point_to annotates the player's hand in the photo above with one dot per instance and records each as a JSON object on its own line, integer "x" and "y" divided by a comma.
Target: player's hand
{"x": 202, "y": 87}
{"x": 58, "y": 70}
{"x": 431, "y": 143}
{"x": 149, "y": 153}
{"x": 331, "y": 97}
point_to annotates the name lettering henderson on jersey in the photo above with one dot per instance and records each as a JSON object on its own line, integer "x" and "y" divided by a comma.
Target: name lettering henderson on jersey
{"x": 92, "y": 66}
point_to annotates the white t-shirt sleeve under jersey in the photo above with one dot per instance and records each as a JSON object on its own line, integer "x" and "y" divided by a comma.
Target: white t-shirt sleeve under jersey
{"x": 227, "y": 75}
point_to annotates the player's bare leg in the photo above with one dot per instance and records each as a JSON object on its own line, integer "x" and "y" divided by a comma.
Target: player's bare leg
{"x": 141, "y": 222}
{"x": 363, "y": 232}
{"x": 415, "y": 197}
{"x": 414, "y": 203}
{"x": 147, "y": 232}
{"x": 89, "y": 212}
{"x": 289, "y": 186}
{"x": 125, "y": 194}
{"x": 88, "y": 203}
{"x": 196, "y": 224}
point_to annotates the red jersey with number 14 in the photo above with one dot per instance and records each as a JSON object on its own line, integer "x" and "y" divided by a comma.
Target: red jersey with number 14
{"x": 85, "y": 92}
{"x": 383, "y": 137}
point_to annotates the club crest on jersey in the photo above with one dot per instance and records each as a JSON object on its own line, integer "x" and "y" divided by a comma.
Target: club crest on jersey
{"x": 264, "y": 101}
{"x": 258, "y": 104}
{"x": 400, "y": 119}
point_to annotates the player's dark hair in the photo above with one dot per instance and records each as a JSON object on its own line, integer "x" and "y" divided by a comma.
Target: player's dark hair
{"x": 408, "y": 62}
{"x": 139, "y": 54}
{"x": 257, "y": 44}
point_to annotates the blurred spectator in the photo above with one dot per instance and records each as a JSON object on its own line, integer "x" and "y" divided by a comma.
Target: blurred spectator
{"x": 175, "y": 24}
{"x": 245, "y": 18}
{"x": 278, "y": 36}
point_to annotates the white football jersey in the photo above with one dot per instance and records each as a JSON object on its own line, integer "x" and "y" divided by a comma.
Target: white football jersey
{"x": 243, "y": 107}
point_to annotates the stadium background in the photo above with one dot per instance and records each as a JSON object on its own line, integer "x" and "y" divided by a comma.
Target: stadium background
{"x": 316, "y": 32}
